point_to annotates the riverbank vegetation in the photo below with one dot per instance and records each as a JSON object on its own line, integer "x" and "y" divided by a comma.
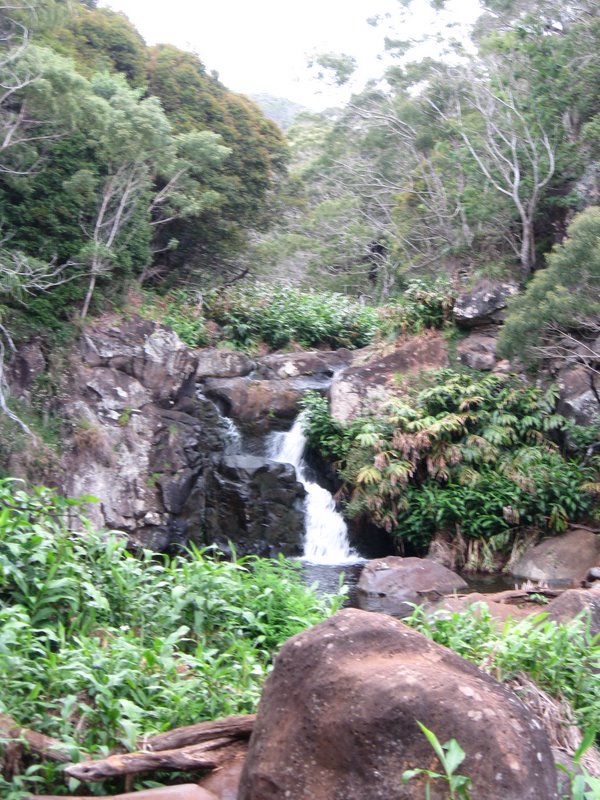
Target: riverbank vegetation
{"x": 474, "y": 459}
{"x": 100, "y": 647}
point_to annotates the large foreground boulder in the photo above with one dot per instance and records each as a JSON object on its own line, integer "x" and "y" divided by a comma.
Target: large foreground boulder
{"x": 395, "y": 585}
{"x": 338, "y": 720}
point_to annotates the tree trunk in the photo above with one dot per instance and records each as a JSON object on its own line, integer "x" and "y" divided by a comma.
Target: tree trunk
{"x": 527, "y": 250}
{"x": 88, "y": 297}
{"x": 208, "y": 755}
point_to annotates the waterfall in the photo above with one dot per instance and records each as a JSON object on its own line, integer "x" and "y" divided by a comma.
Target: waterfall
{"x": 326, "y": 537}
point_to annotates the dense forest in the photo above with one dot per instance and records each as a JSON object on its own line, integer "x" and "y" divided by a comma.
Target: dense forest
{"x": 137, "y": 189}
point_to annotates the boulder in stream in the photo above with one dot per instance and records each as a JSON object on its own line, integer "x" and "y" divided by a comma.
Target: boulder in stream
{"x": 395, "y": 585}
{"x": 560, "y": 560}
{"x": 338, "y": 720}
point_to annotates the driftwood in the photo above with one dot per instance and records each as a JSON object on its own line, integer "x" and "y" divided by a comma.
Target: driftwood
{"x": 183, "y": 791}
{"x": 239, "y": 727}
{"x": 207, "y": 755}
{"x": 38, "y": 743}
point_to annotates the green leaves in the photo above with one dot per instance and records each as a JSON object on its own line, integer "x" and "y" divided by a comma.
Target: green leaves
{"x": 280, "y": 316}
{"x": 451, "y": 755}
{"x": 464, "y": 455}
{"x": 98, "y": 647}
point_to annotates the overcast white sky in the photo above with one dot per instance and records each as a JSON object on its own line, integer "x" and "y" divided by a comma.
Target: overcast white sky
{"x": 264, "y": 45}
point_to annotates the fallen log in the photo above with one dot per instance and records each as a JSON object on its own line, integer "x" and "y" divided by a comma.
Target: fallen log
{"x": 239, "y": 727}
{"x": 206, "y": 756}
{"x": 184, "y": 791}
{"x": 38, "y": 743}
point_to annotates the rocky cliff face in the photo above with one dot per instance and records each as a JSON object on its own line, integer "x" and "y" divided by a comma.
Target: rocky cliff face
{"x": 140, "y": 435}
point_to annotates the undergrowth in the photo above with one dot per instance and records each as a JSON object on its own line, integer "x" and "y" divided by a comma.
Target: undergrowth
{"x": 562, "y": 659}
{"x": 98, "y": 647}
{"x": 471, "y": 457}
{"x": 252, "y": 317}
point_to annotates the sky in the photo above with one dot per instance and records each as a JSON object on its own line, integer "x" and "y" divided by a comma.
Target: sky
{"x": 265, "y": 45}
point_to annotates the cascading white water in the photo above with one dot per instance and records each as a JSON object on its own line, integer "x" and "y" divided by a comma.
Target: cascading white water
{"x": 326, "y": 537}
{"x": 232, "y": 438}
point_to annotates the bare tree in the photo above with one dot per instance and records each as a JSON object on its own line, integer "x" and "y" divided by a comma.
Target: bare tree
{"x": 512, "y": 148}
{"x": 19, "y": 126}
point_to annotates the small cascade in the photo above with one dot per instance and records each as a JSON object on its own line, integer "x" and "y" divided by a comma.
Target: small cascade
{"x": 326, "y": 537}
{"x": 231, "y": 436}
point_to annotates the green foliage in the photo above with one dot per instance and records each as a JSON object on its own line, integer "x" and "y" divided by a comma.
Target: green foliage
{"x": 451, "y": 755}
{"x": 98, "y": 647}
{"x": 195, "y": 100}
{"x": 474, "y": 457}
{"x": 99, "y": 40}
{"x": 282, "y": 316}
{"x": 422, "y": 305}
{"x": 561, "y": 659}
{"x": 561, "y": 300}
{"x": 177, "y": 310}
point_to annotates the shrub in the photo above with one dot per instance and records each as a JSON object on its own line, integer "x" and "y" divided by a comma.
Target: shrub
{"x": 475, "y": 457}
{"x": 422, "y": 305}
{"x": 98, "y": 647}
{"x": 561, "y": 659}
{"x": 282, "y": 315}
{"x": 562, "y": 302}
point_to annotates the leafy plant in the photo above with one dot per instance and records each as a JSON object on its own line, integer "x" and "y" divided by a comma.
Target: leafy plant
{"x": 281, "y": 316}
{"x": 451, "y": 755}
{"x": 561, "y": 659}
{"x": 422, "y": 305}
{"x": 98, "y": 647}
{"x": 473, "y": 457}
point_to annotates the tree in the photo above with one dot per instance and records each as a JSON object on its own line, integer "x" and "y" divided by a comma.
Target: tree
{"x": 20, "y": 276}
{"x": 557, "y": 319}
{"x": 506, "y": 137}
{"x": 134, "y": 148}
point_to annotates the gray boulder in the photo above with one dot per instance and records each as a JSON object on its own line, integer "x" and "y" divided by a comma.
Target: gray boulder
{"x": 560, "y": 560}
{"x": 395, "y": 585}
{"x": 478, "y": 351}
{"x": 485, "y": 304}
{"x": 578, "y": 400}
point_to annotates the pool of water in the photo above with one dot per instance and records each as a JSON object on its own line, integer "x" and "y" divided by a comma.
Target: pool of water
{"x": 327, "y": 577}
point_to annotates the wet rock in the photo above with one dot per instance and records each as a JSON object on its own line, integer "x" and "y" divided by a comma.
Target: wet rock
{"x": 216, "y": 363}
{"x": 337, "y": 719}
{"x": 478, "y": 351}
{"x": 395, "y": 585}
{"x": 373, "y": 376}
{"x": 569, "y": 604}
{"x": 485, "y": 304}
{"x": 249, "y": 400}
{"x": 560, "y": 560}
{"x": 256, "y": 504}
